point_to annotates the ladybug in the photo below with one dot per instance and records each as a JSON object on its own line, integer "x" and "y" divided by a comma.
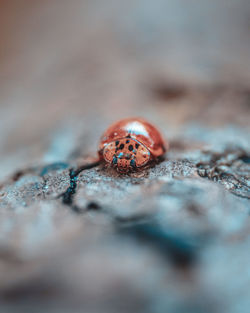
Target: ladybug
{"x": 130, "y": 144}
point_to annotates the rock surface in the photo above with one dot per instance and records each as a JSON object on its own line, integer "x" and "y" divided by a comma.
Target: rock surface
{"x": 171, "y": 238}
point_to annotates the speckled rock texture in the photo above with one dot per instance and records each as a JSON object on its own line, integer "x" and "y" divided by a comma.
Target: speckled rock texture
{"x": 173, "y": 237}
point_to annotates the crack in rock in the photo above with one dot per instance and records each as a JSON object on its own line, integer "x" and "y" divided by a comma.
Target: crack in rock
{"x": 68, "y": 195}
{"x": 230, "y": 168}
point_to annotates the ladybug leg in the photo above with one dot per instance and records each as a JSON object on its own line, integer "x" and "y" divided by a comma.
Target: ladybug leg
{"x": 133, "y": 164}
{"x": 114, "y": 161}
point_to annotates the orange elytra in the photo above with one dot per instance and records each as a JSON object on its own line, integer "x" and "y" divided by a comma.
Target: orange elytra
{"x": 131, "y": 143}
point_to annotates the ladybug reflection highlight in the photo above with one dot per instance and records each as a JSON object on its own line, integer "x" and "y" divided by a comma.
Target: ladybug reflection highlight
{"x": 130, "y": 144}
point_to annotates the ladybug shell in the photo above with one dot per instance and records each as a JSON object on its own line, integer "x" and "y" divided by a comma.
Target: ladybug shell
{"x": 139, "y": 129}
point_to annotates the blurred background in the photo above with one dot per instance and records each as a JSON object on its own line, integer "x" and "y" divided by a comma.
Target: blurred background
{"x": 67, "y": 70}
{"x": 67, "y": 65}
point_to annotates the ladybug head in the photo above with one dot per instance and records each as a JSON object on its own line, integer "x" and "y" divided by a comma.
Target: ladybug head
{"x": 126, "y": 154}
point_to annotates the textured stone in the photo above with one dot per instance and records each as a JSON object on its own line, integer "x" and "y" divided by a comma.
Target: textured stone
{"x": 170, "y": 238}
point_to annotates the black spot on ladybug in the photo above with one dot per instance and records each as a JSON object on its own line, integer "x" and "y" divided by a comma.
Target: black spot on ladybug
{"x": 132, "y": 163}
{"x": 130, "y": 147}
{"x": 137, "y": 145}
{"x": 127, "y": 141}
{"x": 117, "y": 142}
{"x": 121, "y": 146}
